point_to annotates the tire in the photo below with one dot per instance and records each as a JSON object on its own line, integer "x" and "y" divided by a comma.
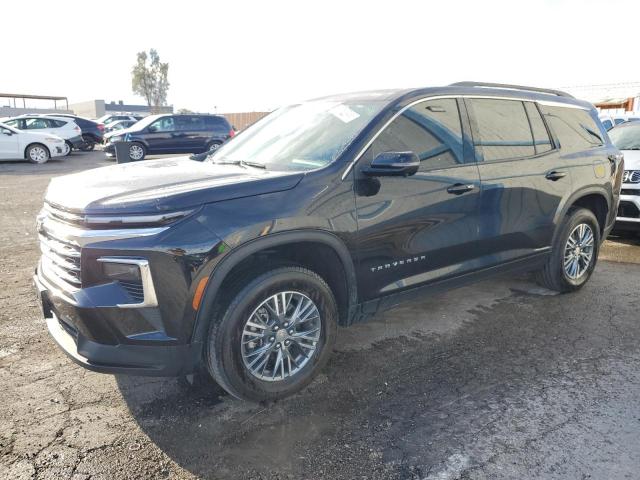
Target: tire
{"x": 563, "y": 277}
{"x": 87, "y": 146}
{"x": 137, "y": 151}
{"x": 213, "y": 146}
{"x": 230, "y": 339}
{"x": 70, "y": 148}
{"x": 37, "y": 153}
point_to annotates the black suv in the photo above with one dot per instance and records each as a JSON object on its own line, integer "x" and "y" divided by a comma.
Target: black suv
{"x": 321, "y": 214}
{"x": 162, "y": 134}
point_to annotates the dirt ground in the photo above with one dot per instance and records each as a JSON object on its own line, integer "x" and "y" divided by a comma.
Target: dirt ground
{"x": 497, "y": 380}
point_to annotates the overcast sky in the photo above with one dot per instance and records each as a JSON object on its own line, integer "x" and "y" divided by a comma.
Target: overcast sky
{"x": 254, "y": 55}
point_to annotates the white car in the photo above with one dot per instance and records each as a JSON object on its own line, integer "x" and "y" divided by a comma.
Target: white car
{"x": 626, "y": 137}
{"x": 36, "y": 147}
{"x": 110, "y": 118}
{"x": 62, "y": 127}
{"x": 610, "y": 121}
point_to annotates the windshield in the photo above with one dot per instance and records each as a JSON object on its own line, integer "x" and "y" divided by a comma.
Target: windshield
{"x": 300, "y": 137}
{"x": 626, "y": 137}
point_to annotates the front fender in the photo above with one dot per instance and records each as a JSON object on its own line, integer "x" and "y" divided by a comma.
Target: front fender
{"x": 217, "y": 270}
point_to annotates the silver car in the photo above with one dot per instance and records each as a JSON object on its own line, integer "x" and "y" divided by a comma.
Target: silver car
{"x": 626, "y": 137}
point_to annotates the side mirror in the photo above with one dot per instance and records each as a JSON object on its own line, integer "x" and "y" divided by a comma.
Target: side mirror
{"x": 397, "y": 164}
{"x": 7, "y": 132}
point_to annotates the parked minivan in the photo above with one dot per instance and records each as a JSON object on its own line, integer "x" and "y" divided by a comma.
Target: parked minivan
{"x": 162, "y": 134}
{"x": 322, "y": 213}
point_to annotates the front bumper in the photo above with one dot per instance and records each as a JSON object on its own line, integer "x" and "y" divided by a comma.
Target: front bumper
{"x": 58, "y": 149}
{"x": 628, "y": 216}
{"x": 69, "y": 323}
{"x": 110, "y": 150}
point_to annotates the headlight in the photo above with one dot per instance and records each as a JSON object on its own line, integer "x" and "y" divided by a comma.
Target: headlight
{"x": 116, "y": 138}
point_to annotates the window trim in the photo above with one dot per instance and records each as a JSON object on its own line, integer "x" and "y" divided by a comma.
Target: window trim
{"x": 366, "y": 146}
{"x": 463, "y": 132}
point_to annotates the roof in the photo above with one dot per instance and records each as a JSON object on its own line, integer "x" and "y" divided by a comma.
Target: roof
{"x": 461, "y": 88}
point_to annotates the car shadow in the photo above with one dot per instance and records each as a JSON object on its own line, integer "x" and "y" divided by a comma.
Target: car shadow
{"x": 379, "y": 402}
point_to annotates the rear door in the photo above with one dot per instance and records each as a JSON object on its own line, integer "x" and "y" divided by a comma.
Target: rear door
{"x": 524, "y": 180}
{"x": 417, "y": 229}
{"x": 192, "y": 133}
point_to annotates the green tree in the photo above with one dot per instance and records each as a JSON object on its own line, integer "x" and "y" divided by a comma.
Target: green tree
{"x": 149, "y": 79}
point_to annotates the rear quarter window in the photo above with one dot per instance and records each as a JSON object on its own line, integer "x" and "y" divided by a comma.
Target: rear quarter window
{"x": 575, "y": 128}
{"x": 217, "y": 124}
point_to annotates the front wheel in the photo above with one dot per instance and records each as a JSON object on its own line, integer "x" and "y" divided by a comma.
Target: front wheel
{"x": 574, "y": 254}
{"x": 136, "y": 151}
{"x": 37, "y": 153}
{"x": 274, "y": 336}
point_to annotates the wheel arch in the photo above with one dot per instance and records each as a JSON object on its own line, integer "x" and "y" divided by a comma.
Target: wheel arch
{"x": 594, "y": 198}
{"x": 278, "y": 241}
{"x": 35, "y": 143}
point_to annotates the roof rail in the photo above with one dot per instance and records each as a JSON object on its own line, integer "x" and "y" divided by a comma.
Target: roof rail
{"x": 559, "y": 93}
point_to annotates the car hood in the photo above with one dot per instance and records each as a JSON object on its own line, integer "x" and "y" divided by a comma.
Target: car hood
{"x": 631, "y": 159}
{"x": 161, "y": 186}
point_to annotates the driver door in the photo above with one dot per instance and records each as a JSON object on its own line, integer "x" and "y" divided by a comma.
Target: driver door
{"x": 9, "y": 144}
{"x": 417, "y": 229}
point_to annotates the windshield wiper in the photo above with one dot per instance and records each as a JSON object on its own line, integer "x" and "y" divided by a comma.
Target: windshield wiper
{"x": 242, "y": 163}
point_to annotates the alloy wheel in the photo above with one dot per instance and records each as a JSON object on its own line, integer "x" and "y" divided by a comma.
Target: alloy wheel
{"x": 281, "y": 336}
{"x": 136, "y": 152}
{"x": 578, "y": 251}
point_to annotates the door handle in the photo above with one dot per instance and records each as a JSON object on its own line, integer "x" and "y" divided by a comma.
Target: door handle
{"x": 460, "y": 188}
{"x": 554, "y": 175}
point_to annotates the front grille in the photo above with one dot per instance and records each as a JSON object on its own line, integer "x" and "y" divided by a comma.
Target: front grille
{"x": 628, "y": 210}
{"x": 60, "y": 261}
{"x": 62, "y": 215}
{"x": 631, "y": 176}
{"x": 629, "y": 191}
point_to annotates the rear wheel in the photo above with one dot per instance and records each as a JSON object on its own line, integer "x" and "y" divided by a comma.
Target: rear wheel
{"x": 70, "y": 147}
{"x": 38, "y": 153}
{"x": 274, "y": 336}
{"x": 213, "y": 146}
{"x": 574, "y": 254}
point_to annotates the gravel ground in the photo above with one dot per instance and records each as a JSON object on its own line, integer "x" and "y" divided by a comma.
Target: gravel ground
{"x": 497, "y": 380}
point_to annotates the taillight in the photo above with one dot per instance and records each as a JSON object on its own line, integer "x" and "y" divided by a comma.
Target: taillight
{"x": 101, "y": 127}
{"x": 77, "y": 129}
{"x": 232, "y": 132}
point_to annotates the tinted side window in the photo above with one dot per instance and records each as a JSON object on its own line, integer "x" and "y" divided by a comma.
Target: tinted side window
{"x": 190, "y": 123}
{"x": 57, "y": 123}
{"x": 541, "y": 137}
{"x": 36, "y": 123}
{"x": 216, "y": 124}
{"x": 431, "y": 129}
{"x": 502, "y": 129}
{"x": 607, "y": 124}
{"x": 164, "y": 124}
{"x": 575, "y": 128}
